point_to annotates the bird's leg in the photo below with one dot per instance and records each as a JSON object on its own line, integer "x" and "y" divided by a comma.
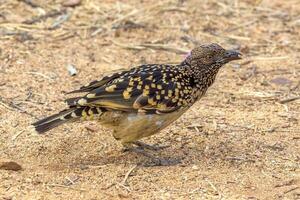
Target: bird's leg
{"x": 128, "y": 147}
{"x": 138, "y": 150}
{"x": 149, "y": 147}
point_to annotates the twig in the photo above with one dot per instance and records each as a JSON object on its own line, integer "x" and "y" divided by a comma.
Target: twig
{"x": 214, "y": 187}
{"x": 270, "y": 58}
{"x": 246, "y": 62}
{"x": 125, "y": 17}
{"x": 136, "y": 12}
{"x": 30, "y": 3}
{"x": 292, "y": 189}
{"x": 189, "y": 38}
{"x": 236, "y": 37}
{"x": 288, "y": 183}
{"x": 107, "y": 187}
{"x": 177, "y": 9}
{"x": 60, "y": 19}
{"x": 132, "y": 13}
{"x": 124, "y": 182}
{"x": 240, "y": 159}
{"x": 129, "y": 25}
{"x": 20, "y": 35}
{"x": 224, "y": 6}
{"x": 195, "y": 190}
{"x": 24, "y": 111}
{"x": 52, "y": 13}
{"x": 6, "y": 105}
{"x": 152, "y": 46}
{"x": 287, "y": 100}
{"x": 64, "y": 36}
{"x": 40, "y": 74}
{"x": 123, "y": 186}
{"x": 165, "y": 48}
{"x": 63, "y": 186}
{"x": 296, "y": 86}
{"x": 17, "y": 135}
{"x": 70, "y": 181}
{"x": 242, "y": 26}
{"x": 126, "y": 46}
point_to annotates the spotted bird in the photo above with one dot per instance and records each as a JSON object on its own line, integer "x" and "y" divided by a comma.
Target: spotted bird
{"x": 141, "y": 101}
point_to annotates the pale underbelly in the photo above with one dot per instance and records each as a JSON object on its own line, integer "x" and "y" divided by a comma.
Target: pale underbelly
{"x": 129, "y": 127}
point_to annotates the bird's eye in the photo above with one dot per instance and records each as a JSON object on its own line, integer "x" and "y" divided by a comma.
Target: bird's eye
{"x": 209, "y": 57}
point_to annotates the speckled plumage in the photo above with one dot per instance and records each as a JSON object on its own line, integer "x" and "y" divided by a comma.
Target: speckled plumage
{"x": 143, "y": 100}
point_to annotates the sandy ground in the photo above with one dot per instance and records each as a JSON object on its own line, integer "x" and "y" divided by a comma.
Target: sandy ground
{"x": 241, "y": 141}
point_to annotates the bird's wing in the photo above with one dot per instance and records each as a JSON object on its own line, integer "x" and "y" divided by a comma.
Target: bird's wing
{"x": 98, "y": 83}
{"x": 148, "y": 88}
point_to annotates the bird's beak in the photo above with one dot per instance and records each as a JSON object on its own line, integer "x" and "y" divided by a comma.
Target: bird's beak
{"x": 232, "y": 55}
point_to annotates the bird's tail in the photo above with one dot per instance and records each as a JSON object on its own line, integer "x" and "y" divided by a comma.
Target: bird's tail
{"x": 68, "y": 115}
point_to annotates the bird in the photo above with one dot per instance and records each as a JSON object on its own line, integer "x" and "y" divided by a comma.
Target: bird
{"x": 141, "y": 101}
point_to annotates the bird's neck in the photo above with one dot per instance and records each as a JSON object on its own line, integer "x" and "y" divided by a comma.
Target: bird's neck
{"x": 204, "y": 77}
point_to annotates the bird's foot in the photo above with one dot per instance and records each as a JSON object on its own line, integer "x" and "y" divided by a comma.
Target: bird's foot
{"x": 154, "y": 160}
{"x": 141, "y": 151}
{"x": 149, "y": 147}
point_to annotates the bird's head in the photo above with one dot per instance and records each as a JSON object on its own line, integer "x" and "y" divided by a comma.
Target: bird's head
{"x": 211, "y": 56}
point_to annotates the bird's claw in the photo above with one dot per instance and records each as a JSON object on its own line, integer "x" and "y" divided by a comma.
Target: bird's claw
{"x": 149, "y": 147}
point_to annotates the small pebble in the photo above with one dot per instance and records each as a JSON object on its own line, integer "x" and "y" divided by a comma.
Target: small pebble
{"x": 71, "y": 69}
{"x": 10, "y": 165}
{"x": 91, "y": 128}
{"x": 281, "y": 81}
{"x": 236, "y": 66}
{"x": 195, "y": 167}
{"x": 71, "y": 3}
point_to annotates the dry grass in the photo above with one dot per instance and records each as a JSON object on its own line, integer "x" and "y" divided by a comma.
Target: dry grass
{"x": 239, "y": 142}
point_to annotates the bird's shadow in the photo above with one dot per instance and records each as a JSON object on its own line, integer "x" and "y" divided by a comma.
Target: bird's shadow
{"x": 142, "y": 157}
{"x": 171, "y": 156}
{"x": 128, "y": 158}
{"x": 177, "y": 153}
